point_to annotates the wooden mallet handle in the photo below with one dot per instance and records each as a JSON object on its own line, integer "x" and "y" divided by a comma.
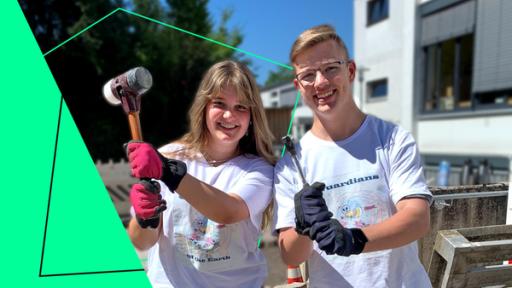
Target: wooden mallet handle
{"x": 134, "y": 122}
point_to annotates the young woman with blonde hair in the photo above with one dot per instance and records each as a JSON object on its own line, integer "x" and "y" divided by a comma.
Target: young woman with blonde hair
{"x": 215, "y": 189}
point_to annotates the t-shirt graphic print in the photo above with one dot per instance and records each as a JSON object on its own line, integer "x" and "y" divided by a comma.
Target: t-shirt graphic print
{"x": 357, "y": 200}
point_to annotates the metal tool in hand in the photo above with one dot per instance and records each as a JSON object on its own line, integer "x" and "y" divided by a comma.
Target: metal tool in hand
{"x": 126, "y": 89}
{"x": 290, "y": 147}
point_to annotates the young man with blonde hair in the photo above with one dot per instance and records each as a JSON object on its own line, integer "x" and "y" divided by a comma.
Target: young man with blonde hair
{"x": 358, "y": 223}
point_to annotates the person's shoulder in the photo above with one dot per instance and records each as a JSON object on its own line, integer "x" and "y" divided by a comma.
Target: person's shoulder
{"x": 387, "y": 130}
{"x": 254, "y": 165}
{"x": 171, "y": 147}
{"x": 253, "y": 161}
{"x": 282, "y": 162}
{"x": 381, "y": 125}
{"x": 307, "y": 140}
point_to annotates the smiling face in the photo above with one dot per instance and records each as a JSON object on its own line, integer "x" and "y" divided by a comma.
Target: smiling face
{"x": 327, "y": 93}
{"x": 227, "y": 119}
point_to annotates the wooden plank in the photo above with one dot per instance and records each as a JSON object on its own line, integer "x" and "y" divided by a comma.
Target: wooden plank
{"x": 459, "y": 262}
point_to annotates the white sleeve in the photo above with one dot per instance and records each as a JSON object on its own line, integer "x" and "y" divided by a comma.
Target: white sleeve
{"x": 256, "y": 189}
{"x": 285, "y": 187}
{"x": 406, "y": 171}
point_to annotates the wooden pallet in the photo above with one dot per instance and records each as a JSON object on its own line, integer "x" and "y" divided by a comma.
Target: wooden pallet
{"x": 472, "y": 257}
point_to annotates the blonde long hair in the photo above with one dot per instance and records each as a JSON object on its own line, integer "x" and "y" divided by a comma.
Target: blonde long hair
{"x": 258, "y": 142}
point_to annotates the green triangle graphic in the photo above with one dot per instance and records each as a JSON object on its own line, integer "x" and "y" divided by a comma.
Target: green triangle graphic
{"x": 84, "y": 232}
{"x": 68, "y": 235}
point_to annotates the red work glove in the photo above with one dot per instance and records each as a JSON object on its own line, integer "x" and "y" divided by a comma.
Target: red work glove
{"x": 147, "y": 202}
{"x": 146, "y": 163}
{"x": 144, "y": 160}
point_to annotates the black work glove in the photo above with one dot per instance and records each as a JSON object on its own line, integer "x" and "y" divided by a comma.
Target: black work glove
{"x": 172, "y": 172}
{"x": 310, "y": 207}
{"x": 333, "y": 238}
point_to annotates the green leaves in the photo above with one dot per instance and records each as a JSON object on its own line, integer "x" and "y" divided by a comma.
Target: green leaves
{"x": 121, "y": 41}
{"x": 280, "y": 75}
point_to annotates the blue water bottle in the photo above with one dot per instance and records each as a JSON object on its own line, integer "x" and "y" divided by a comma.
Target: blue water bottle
{"x": 444, "y": 173}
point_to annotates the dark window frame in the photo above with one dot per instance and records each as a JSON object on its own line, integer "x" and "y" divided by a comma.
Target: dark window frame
{"x": 497, "y": 93}
{"x": 458, "y": 72}
{"x": 370, "y": 87}
{"x": 374, "y": 5}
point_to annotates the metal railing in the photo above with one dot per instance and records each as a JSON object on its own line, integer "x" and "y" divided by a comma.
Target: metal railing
{"x": 454, "y": 179}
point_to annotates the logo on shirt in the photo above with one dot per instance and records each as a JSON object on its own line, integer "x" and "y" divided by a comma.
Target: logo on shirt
{"x": 358, "y": 201}
{"x": 352, "y": 181}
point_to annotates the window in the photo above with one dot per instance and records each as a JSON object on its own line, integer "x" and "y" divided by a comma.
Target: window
{"x": 377, "y": 89}
{"x": 377, "y": 10}
{"x": 448, "y": 72}
{"x": 494, "y": 99}
{"x": 466, "y": 71}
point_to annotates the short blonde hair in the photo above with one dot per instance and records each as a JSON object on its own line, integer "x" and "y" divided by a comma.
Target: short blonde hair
{"x": 314, "y": 36}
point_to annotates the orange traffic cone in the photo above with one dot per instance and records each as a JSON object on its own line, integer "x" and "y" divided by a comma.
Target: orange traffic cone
{"x": 293, "y": 274}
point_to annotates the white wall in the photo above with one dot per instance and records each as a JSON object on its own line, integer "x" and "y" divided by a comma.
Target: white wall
{"x": 484, "y": 136}
{"x": 265, "y": 98}
{"x": 387, "y": 49}
{"x": 282, "y": 99}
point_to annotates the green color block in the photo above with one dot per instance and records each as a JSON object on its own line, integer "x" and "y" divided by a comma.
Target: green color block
{"x": 30, "y": 109}
{"x": 84, "y": 232}
{"x": 53, "y": 202}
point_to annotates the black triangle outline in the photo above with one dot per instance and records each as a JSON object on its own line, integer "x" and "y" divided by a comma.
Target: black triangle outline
{"x": 59, "y": 118}
{"x": 48, "y": 214}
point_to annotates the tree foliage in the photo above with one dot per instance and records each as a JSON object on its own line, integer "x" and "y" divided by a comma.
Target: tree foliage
{"x": 176, "y": 60}
{"x": 281, "y": 75}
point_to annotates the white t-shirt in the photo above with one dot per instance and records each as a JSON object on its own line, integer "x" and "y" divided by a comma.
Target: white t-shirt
{"x": 365, "y": 176}
{"x": 194, "y": 251}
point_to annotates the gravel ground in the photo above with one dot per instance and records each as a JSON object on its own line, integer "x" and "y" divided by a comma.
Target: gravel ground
{"x": 276, "y": 267}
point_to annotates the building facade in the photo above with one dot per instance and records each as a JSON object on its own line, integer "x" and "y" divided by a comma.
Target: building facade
{"x": 442, "y": 69}
{"x": 279, "y": 101}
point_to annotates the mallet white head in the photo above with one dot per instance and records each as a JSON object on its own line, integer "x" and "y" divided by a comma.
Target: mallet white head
{"x": 107, "y": 93}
